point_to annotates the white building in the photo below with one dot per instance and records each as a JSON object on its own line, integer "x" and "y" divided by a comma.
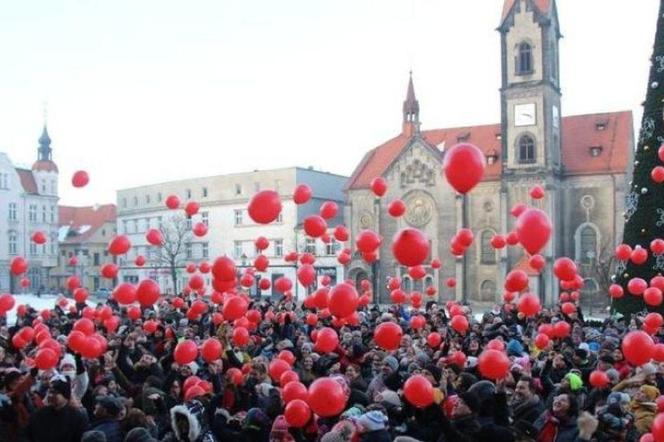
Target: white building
{"x": 223, "y": 202}
{"x": 29, "y": 203}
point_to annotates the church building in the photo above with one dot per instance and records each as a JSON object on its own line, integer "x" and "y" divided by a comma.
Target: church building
{"x": 582, "y": 161}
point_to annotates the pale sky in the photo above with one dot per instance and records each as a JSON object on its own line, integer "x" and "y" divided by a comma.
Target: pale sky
{"x": 144, "y": 91}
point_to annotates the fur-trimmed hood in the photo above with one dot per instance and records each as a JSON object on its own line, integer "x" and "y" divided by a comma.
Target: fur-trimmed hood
{"x": 194, "y": 411}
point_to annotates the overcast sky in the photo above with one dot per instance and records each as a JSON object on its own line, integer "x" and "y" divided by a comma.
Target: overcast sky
{"x": 144, "y": 91}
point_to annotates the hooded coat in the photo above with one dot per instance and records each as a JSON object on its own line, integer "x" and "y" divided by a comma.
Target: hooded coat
{"x": 198, "y": 429}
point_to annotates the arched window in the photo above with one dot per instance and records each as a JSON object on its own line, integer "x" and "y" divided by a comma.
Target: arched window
{"x": 526, "y": 147}
{"x": 407, "y": 284}
{"x": 13, "y": 242}
{"x": 488, "y": 291}
{"x": 487, "y": 252}
{"x": 587, "y": 243}
{"x": 524, "y": 59}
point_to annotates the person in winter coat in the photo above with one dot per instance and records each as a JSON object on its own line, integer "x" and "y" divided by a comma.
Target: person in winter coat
{"x": 464, "y": 425}
{"x": 15, "y": 413}
{"x": 106, "y": 413}
{"x": 525, "y": 404}
{"x": 73, "y": 368}
{"x": 644, "y": 408}
{"x": 373, "y": 427}
{"x": 58, "y": 421}
{"x": 558, "y": 424}
{"x": 188, "y": 424}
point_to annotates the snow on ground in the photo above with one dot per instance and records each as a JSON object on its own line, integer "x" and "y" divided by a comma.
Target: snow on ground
{"x": 36, "y": 302}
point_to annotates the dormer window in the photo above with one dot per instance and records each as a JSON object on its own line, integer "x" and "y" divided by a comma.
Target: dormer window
{"x": 595, "y": 151}
{"x": 463, "y": 137}
{"x": 601, "y": 125}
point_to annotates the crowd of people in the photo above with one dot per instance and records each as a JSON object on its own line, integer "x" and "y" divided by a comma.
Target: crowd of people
{"x": 136, "y": 391}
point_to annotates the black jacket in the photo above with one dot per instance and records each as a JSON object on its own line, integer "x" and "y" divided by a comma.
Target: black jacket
{"x": 65, "y": 425}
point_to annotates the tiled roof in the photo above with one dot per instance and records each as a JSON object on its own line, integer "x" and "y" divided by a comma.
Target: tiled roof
{"x": 611, "y": 132}
{"x": 27, "y": 180}
{"x": 83, "y": 222}
{"x": 542, "y": 5}
{"x": 45, "y": 165}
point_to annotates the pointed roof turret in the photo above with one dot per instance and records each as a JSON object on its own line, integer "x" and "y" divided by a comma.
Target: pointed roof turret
{"x": 45, "y": 154}
{"x": 411, "y": 110}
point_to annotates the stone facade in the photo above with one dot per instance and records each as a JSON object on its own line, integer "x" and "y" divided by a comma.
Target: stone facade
{"x": 581, "y": 161}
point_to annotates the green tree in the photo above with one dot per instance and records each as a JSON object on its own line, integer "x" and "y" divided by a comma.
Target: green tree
{"x": 644, "y": 208}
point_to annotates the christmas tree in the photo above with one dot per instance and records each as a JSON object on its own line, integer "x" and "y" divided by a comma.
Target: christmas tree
{"x": 644, "y": 206}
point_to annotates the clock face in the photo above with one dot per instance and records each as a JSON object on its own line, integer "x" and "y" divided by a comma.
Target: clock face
{"x": 524, "y": 114}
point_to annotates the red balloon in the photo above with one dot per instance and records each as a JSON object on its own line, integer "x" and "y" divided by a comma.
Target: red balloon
{"x": 636, "y": 286}
{"x": 367, "y": 241}
{"x": 410, "y": 247}
{"x": 240, "y": 336}
{"x": 294, "y": 390}
{"x": 616, "y": 291}
{"x": 276, "y": 368}
{"x": 297, "y": 413}
{"x": 654, "y": 320}
{"x": 459, "y": 323}
{"x": 450, "y": 282}
{"x": 657, "y": 174}
{"x": 315, "y": 226}
{"x": 125, "y": 293}
{"x": 396, "y": 208}
{"x": 133, "y": 313}
{"x": 658, "y": 353}
{"x": 417, "y": 272}
{"x": 327, "y": 340}
{"x": 6, "y": 303}
{"x": 434, "y": 340}
{"x": 286, "y": 355}
{"x": 306, "y": 274}
{"x": 39, "y": 237}
{"x": 154, "y": 237}
{"x": 343, "y": 300}
{"x": 564, "y": 269}
{"x": 191, "y": 208}
{"x": 200, "y": 229}
{"x": 493, "y": 364}
{"x": 211, "y": 349}
{"x": 518, "y": 209}
{"x": 417, "y": 322}
{"x": 234, "y": 308}
{"x": 18, "y": 265}
{"x": 418, "y": 391}
{"x": 537, "y": 262}
{"x": 568, "y": 308}
{"x": 235, "y": 375}
{"x": 541, "y": 341}
{"x": 599, "y": 379}
{"x": 264, "y": 207}
{"x": 379, "y": 186}
{"x": 119, "y": 245}
{"x": 172, "y": 202}
{"x": 639, "y": 255}
{"x": 80, "y": 179}
{"x": 533, "y": 228}
{"x": 147, "y": 292}
{"x": 185, "y": 352}
{"x": 224, "y": 269}
{"x": 387, "y": 336}
{"x": 150, "y": 326}
{"x": 109, "y": 270}
{"x": 623, "y": 252}
{"x": 261, "y": 243}
{"x": 498, "y": 241}
{"x": 85, "y": 326}
{"x": 341, "y": 233}
{"x": 516, "y": 281}
{"x": 652, "y": 296}
{"x": 657, "y": 428}
{"x": 537, "y": 192}
{"x": 46, "y": 359}
{"x": 561, "y": 329}
{"x": 326, "y": 397}
{"x": 463, "y": 166}
{"x": 302, "y": 194}
{"x": 638, "y": 347}
{"x": 76, "y": 340}
{"x": 328, "y": 210}
{"x": 657, "y": 246}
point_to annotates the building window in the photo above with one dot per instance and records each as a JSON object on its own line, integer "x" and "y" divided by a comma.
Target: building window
{"x": 52, "y": 214}
{"x": 33, "y": 248}
{"x": 125, "y": 224}
{"x": 587, "y": 243}
{"x": 4, "y": 181}
{"x": 43, "y": 187}
{"x": 135, "y": 201}
{"x": 159, "y": 198}
{"x": 135, "y": 223}
{"x": 44, "y": 214}
{"x": 188, "y": 253}
{"x": 280, "y": 218}
{"x": 188, "y": 193}
{"x": 124, "y": 202}
{"x": 237, "y": 249}
{"x": 487, "y": 252}
{"x": 526, "y": 146}
{"x": 96, "y": 259}
{"x": 32, "y": 213}
{"x": 147, "y": 199}
{"x": 238, "y": 189}
{"x": 205, "y": 218}
{"x": 278, "y": 247}
{"x": 310, "y": 246}
{"x": 331, "y": 247}
{"x": 204, "y": 192}
{"x": 13, "y": 216}
{"x": 13, "y": 243}
{"x": 205, "y": 250}
{"x": 488, "y": 291}
{"x": 238, "y": 217}
{"x": 407, "y": 283}
{"x": 524, "y": 59}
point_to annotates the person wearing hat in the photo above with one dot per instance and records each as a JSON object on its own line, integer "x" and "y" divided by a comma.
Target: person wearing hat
{"x": 106, "y": 413}
{"x": 644, "y": 407}
{"x": 463, "y": 425}
{"x": 390, "y": 366}
{"x": 373, "y": 427}
{"x": 58, "y": 421}
{"x": 525, "y": 404}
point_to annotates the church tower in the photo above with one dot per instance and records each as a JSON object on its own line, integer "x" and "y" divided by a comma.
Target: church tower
{"x": 530, "y": 87}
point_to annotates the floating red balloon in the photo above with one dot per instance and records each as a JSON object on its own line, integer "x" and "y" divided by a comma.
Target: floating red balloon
{"x": 6, "y": 303}
{"x": 294, "y": 390}
{"x": 379, "y": 186}
{"x": 185, "y": 352}
{"x": 326, "y": 397}
{"x": 636, "y": 286}
{"x": 493, "y": 364}
{"x": 463, "y": 166}
{"x": 297, "y": 413}
{"x": 18, "y": 265}
{"x": 328, "y": 210}
{"x": 327, "y": 340}
{"x": 638, "y": 347}
{"x": 45, "y": 359}
{"x": 516, "y": 281}
{"x": 302, "y": 194}
{"x": 396, "y": 208}
{"x": 343, "y": 300}
{"x": 599, "y": 379}
{"x": 264, "y": 207}
{"x": 387, "y": 336}
{"x": 541, "y": 341}
{"x": 410, "y": 247}
{"x": 147, "y": 292}
{"x": 623, "y": 252}
{"x": 80, "y": 179}
{"x": 211, "y": 349}
{"x": 315, "y": 226}
{"x": 38, "y": 237}
{"x": 119, "y": 245}
{"x": 537, "y": 192}
{"x": 564, "y": 269}
{"x": 533, "y": 229}
{"x": 418, "y": 391}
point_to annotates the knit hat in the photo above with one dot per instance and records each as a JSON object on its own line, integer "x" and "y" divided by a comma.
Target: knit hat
{"x": 651, "y": 392}
{"x": 67, "y": 360}
{"x": 372, "y": 421}
{"x": 280, "y": 430}
{"x": 514, "y": 348}
{"x": 575, "y": 381}
{"x": 392, "y": 362}
{"x": 617, "y": 398}
{"x": 332, "y": 436}
{"x": 353, "y": 412}
{"x": 613, "y": 375}
{"x": 61, "y": 385}
{"x": 112, "y": 405}
{"x": 139, "y": 434}
{"x": 648, "y": 369}
{"x": 93, "y": 436}
{"x": 471, "y": 400}
{"x": 390, "y": 397}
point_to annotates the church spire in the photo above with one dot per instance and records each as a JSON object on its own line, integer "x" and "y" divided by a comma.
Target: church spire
{"x": 44, "y": 152}
{"x": 411, "y": 110}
